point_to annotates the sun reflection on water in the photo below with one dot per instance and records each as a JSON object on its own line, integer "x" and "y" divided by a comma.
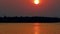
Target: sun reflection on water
{"x": 36, "y": 28}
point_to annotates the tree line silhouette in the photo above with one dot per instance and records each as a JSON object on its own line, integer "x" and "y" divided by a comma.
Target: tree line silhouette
{"x": 29, "y": 19}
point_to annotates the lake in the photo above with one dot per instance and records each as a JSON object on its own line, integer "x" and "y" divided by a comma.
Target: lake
{"x": 29, "y": 28}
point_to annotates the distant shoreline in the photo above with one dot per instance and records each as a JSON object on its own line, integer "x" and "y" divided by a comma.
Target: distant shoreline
{"x": 29, "y": 19}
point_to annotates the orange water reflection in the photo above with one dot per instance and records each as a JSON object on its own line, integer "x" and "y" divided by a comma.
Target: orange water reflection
{"x": 29, "y": 28}
{"x": 36, "y": 28}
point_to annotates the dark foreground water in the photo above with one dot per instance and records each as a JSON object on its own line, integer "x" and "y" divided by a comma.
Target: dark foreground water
{"x": 29, "y": 28}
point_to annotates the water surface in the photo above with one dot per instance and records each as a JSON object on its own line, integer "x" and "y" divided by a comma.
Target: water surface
{"x": 29, "y": 28}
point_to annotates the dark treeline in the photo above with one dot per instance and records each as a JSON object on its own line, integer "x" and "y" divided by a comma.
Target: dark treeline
{"x": 29, "y": 19}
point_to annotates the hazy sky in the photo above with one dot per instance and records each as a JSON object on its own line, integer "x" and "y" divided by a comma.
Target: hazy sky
{"x": 49, "y": 8}
{"x": 28, "y": 28}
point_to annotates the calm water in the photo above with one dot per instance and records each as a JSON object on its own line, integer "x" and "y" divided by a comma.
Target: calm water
{"x": 29, "y": 28}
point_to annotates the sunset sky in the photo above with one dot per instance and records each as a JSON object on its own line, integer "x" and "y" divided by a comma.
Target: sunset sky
{"x": 29, "y": 28}
{"x": 47, "y": 8}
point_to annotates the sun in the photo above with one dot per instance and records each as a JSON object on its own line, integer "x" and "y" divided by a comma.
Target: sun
{"x": 36, "y": 2}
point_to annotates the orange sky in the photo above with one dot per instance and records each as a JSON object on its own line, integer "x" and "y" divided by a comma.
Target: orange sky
{"x": 27, "y": 28}
{"x": 46, "y": 8}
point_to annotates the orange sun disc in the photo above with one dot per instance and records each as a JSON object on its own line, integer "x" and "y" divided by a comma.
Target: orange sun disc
{"x": 36, "y": 2}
